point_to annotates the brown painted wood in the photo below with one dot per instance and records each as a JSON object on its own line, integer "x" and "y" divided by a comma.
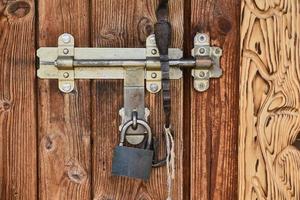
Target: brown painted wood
{"x": 214, "y": 114}
{"x": 127, "y": 23}
{"x": 64, "y": 119}
{"x": 269, "y": 161}
{"x": 77, "y": 132}
{"x": 18, "y": 158}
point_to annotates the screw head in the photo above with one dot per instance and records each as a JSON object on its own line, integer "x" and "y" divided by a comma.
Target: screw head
{"x": 66, "y": 38}
{"x": 152, "y": 40}
{"x": 202, "y": 38}
{"x": 153, "y": 75}
{"x": 201, "y": 74}
{"x": 66, "y": 51}
{"x": 202, "y": 50}
{"x": 217, "y": 51}
{"x": 66, "y": 87}
{"x": 153, "y": 87}
{"x": 66, "y": 75}
{"x": 154, "y": 51}
{"x": 202, "y": 86}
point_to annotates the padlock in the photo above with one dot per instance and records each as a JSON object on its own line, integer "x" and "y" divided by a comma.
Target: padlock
{"x": 133, "y": 162}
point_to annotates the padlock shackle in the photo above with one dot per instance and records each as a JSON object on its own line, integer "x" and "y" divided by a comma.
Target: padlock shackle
{"x": 129, "y": 124}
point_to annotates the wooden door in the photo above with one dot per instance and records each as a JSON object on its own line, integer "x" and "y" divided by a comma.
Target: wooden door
{"x": 59, "y": 146}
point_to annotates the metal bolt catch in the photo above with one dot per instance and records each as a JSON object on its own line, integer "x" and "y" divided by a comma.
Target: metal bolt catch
{"x": 207, "y": 62}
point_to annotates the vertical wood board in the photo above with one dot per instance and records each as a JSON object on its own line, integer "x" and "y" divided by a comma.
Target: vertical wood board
{"x": 127, "y": 24}
{"x": 64, "y": 119}
{"x": 18, "y": 158}
{"x": 214, "y": 116}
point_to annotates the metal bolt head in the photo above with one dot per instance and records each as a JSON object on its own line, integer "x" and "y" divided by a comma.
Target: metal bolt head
{"x": 66, "y": 51}
{"x": 202, "y": 50}
{"x": 154, "y": 51}
{"x": 153, "y": 75}
{"x": 66, "y": 87}
{"x": 66, "y": 75}
{"x": 217, "y": 51}
{"x": 153, "y": 87}
{"x": 202, "y": 38}
{"x": 201, "y": 74}
{"x": 152, "y": 40}
{"x": 202, "y": 86}
{"x": 66, "y": 38}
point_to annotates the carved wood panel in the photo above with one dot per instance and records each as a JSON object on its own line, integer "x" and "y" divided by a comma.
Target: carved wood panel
{"x": 269, "y": 162}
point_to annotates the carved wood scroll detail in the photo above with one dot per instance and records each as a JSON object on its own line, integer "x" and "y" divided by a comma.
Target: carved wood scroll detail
{"x": 269, "y": 163}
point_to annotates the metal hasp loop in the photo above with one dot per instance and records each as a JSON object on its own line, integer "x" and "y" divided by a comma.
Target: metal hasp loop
{"x": 130, "y": 124}
{"x": 134, "y": 103}
{"x": 207, "y": 62}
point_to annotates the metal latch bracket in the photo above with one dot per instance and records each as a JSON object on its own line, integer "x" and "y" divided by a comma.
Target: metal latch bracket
{"x": 64, "y": 63}
{"x": 207, "y": 62}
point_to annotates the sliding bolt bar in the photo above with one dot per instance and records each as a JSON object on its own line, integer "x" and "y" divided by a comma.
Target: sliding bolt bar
{"x": 181, "y": 63}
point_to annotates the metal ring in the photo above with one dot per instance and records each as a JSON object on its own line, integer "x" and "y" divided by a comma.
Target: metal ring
{"x": 130, "y": 123}
{"x": 134, "y": 120}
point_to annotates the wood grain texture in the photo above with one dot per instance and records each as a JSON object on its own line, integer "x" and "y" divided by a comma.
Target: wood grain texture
{"x": 127, "y": 23}
{"x": 64, "y": 119}
{"x": 214, "y": 114}
{"x": 18, "y": 158}
{"x": 269, "y": 163}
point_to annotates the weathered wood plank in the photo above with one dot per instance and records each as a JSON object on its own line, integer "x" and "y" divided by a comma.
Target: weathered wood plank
{"x": 214, "y": 116}
{"x": 64, "y": 119}
{"x": 127, "y": 23}
{"x": 269, "y": 163}
{"x": 18, "y": 158}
